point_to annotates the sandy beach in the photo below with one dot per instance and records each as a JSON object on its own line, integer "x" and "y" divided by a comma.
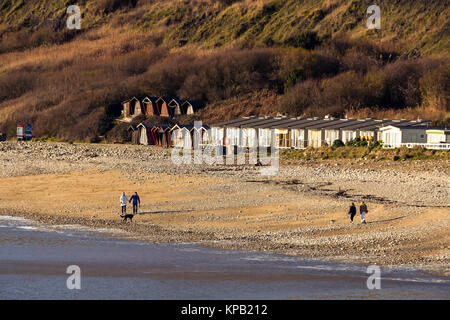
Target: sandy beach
{"x": 301, "y": 211}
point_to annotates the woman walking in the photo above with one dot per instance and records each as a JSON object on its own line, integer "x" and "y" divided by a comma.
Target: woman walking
{"x": 352, "y": 212}
{"x": 123, "y": 203}
{"x": 363, "y": 210}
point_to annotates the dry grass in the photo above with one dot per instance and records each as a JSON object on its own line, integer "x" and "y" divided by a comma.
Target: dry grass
{"x": 72, "y": 90}
{"x": 425, "y": 112}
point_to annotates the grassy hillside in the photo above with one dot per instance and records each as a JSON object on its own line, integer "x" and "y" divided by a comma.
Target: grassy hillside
{"x": 242, "y": 57}
{"x": 421, "y": 25}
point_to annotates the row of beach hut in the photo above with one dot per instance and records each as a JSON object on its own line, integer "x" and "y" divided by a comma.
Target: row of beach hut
{"x": 296, "y": 133}
{"x": 158, "y": 106}
{"x": 299, "y": 133}
{"x": 180, "y": 136}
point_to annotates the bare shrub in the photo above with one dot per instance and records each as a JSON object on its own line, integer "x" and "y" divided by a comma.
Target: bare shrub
{"x": 15, "y": 84}
{"x": 301, "y": 97}
{"x": 229, "y": 73}
{"x": 435, "y": 87}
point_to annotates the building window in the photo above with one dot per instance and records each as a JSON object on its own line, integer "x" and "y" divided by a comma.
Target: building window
{"x": 284, "y": 140}
{"x": 265, "y": 137}
{"x": 436, "y": 138}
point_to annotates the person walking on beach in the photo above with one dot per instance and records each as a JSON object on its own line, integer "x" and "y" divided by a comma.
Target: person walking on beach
{"x": 352, "y": 212}
{"x": 136, "y": 202}
{"x": 123, "y": 203}
{"x": 363, "y": 210}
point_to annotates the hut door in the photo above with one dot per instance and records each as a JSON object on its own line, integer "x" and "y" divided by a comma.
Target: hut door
{"x": 252, "y": 141}
{"x": 137, "y": 108}
{"x": 144, "y": 138}
{"x": 135, "y": 137}
{"x": 315, "y": 138}
{"x": 297, "y": 138}
{"x": 187, "y": 142}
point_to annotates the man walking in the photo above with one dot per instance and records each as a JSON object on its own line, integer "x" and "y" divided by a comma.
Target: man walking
{"x": 136, "y": 202}
{"x": 352, "y": 212}
{"x": 123, "y": 203}
{"x": 363, "y": 210}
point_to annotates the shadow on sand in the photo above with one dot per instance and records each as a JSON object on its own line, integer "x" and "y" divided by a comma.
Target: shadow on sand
{"x": 163, "y": 212}
{"x": 386, "y": 220}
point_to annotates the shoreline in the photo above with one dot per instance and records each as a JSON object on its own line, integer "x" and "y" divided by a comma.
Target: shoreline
{"x": 156, "y": 234}
{"x": 38, "y": 254}
{"x": 300, "y": 212}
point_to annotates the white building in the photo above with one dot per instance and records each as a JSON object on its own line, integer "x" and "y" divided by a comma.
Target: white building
{"x": 407, "y": 135}
{"x": 438, "y": 135}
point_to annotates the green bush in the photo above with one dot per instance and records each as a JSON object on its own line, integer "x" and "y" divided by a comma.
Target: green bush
{"x": 337, "y": 144}
{"x": 357, "y": 142}
{"x": 365, "y": 152}
{"x": 375, "y": 145}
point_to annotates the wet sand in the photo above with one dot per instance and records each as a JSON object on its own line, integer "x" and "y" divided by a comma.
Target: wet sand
{"x": 301, "y": 212}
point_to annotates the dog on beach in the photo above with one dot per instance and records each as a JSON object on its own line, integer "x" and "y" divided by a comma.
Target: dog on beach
{"x": 127, "y": 216}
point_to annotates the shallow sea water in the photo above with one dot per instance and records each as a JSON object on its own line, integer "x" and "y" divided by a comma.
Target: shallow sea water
{"x": 34, "y": 259}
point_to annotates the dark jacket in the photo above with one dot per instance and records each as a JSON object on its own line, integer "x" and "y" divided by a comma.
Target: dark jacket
{"x": 363, "y": 208}
{"x": 352, "y": 210}
{"x": 135, "y": 199}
